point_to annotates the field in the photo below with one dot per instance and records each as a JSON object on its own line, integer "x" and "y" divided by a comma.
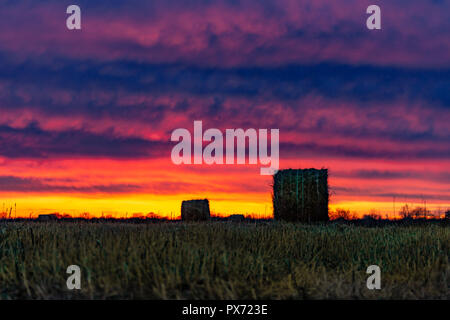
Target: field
{"x": 223, "y": 260}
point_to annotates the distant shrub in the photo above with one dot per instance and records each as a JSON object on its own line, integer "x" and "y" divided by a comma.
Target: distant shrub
{"x": 342, "y": 214}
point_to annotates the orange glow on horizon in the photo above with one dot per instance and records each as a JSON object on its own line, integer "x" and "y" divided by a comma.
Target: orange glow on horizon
{"x": 139, "y": 206}
{"x": 124, "y": 188}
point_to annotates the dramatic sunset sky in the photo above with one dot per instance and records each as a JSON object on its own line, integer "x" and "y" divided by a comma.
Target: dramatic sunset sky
{"x": 86, "y": 116}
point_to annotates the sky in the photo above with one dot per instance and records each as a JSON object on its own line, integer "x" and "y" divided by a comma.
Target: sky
{"x": 86, "y": 115}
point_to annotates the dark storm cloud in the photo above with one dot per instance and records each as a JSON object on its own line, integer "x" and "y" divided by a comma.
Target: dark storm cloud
{"x": 322, "y": 150}
{"x": 362, "y": 84}
{"x": 442, "y": 177}
{"x": 33, "y": 142}
{"x": 258, "y": 52}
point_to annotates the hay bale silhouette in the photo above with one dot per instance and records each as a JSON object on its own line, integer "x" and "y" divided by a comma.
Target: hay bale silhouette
{"x": 195, "y": 210}
{"x": 300, "y": 195}
{"x": 236, "y": 217}
{"x": 47, "y": 217}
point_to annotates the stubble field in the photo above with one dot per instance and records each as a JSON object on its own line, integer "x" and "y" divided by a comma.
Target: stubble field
{"x": 223, "y": 260}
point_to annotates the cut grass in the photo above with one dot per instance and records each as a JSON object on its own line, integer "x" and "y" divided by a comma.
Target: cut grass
{"x": 265, "y": 260}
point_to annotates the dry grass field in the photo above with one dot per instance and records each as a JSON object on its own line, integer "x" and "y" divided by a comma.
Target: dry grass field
{"x": 223, "y": 260}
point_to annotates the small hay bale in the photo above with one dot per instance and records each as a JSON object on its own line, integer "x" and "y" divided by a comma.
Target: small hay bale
{"x": 236, "y": 217}
{"x": 300, "y": 195}
{"x": 195, "y": 210}
{"x": 47, "y": 217}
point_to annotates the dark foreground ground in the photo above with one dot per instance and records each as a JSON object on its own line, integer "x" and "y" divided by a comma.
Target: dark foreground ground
{"x": 224, "y": 260}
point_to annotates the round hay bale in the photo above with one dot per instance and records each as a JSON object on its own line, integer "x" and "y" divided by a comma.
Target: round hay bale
{"x": 300, "y": 195}
{"x": 195, "y": 210}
